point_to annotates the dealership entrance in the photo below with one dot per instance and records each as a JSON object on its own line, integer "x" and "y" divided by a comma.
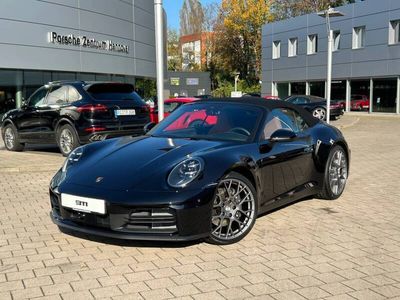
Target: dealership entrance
{"x": 374, "y": 95}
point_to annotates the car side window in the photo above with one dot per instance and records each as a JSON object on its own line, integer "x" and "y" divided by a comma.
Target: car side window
{"x": 58, "y": 95}
{"x": 73, "y": 94}
{"x": 301, "y": 124}
{"x": 284, "y": 118}
{"x": 37, "y": 99}
{"x": 301, "y": 100}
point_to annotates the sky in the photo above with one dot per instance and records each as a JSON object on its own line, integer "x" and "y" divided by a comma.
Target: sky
{"x": 172, "y": 8}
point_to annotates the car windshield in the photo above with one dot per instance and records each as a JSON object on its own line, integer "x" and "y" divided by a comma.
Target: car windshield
{"x": 211, "y": 121}
{"x": 169, "y": 107}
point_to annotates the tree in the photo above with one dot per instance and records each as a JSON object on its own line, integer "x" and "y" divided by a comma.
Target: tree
{"x": 283, "y": 9}
{"x": 191, "y": 17}
{"x": 238, "y": 37}
{"x": 174, "y": 55}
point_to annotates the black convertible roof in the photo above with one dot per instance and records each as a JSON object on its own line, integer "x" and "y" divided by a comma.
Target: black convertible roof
{"x": 270, "y": 105}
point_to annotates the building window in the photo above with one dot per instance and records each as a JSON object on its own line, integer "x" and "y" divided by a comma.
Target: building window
{"x": 312, "y": 44}
{"x": 394, "y": 32}
{"x": 276, "y": 49}
{"x": 293, "y": 47}
{"x": 336, "y": 40}
{"x": 358, "y": 37}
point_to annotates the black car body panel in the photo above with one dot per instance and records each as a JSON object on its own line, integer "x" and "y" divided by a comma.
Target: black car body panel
{"x": 130, "y": 174}
{"x": 78, "y": 105}
{"x": 310, "y": 103}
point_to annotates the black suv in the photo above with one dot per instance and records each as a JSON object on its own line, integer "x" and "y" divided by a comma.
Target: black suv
{"x": 75, "y": 113}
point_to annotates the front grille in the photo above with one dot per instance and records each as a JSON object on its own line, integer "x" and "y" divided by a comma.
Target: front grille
{"x": 160, "y": 220}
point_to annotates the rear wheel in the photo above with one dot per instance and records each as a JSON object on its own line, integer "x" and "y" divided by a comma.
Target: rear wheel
{"x": 319, "y": 113}
{"x": 67, "y": 139}
{"x": 234, "y": 210}
{"x": 11, "y": 139}
{"x": 336, "y": 172}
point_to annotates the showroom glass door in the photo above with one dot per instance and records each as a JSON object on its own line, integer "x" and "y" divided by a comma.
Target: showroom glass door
{"x": 385, "y": 92}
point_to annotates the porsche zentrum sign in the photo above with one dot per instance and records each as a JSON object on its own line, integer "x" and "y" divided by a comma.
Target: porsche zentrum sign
{"x": 86, "y": 42}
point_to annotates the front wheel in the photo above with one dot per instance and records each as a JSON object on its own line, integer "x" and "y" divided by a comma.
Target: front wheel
{"x": 11, "y": 139}
{"x": 234, "y": 210}
{"x": 319, "y": 113}
{"x": 336, "y": 172}
{"x": 67, "y": 139}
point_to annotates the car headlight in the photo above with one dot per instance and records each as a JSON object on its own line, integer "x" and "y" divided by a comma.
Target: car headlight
{"x": 185, "y": 172}
{"x": 72, "y": 158}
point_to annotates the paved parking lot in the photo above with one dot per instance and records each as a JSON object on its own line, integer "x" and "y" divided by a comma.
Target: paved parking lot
{"x": 343, "y": 249}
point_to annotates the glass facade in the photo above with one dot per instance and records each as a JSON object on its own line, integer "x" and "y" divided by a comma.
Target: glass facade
{"x": 338, "y": 91}
{"x": 384, "y": 95}
{"x": 317, "y": 88}
{"x": 298, "y": 88}
{"x": 283, "y": 90}
{"x": 384, "y": 92}
{"x": 16, "y": 85}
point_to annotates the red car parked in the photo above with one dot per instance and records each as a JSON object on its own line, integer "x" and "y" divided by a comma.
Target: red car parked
{"x": 169, "y": 106}
{"x": 359, "y": 102}
{"x": 271, "y": 98}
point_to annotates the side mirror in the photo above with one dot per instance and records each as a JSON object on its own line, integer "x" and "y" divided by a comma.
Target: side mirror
{"x": 148, "y": 127}
{"x": 282, "y": 135}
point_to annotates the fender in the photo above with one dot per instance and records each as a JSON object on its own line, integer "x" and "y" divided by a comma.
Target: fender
{"x": 64, "y": 119}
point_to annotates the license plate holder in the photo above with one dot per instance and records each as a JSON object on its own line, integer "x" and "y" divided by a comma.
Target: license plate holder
{"x": 83, "y": 204}
{"x": 124, "y": 112}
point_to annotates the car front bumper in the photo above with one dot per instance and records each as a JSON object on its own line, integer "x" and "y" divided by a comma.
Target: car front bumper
{"x": 184, "y": 221}
{"x": 336, "y": 111}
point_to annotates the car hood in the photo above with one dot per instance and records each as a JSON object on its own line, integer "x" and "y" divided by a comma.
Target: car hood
{"x": 136, "y": 163}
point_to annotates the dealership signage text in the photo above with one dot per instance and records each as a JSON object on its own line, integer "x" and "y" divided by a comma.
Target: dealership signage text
{"x": 86, "y": 42}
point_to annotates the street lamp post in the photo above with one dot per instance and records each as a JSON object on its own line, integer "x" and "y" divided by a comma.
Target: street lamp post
{"x": 158, "y": 13}
{"x": 327, "y": 14}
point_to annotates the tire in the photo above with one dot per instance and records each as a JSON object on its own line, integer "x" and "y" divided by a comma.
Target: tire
{"x": 319, "y": 113}
{"x": 11, "y": 139}
{"x": 336, "y": 170}
{"x": 67, "y": 139}
{"x": 228, "y": 224}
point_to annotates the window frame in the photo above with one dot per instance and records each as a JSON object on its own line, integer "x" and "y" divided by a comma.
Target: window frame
{"x": 46, "y": 89}
{"x": 394, "y": 32}
{"x": 276, "y": 49}
{"x": 294, "y": 119}
{"x": 72, "y": 88}
{"x": 293, "y": 47}
{"x": 359, "y": 41}
{"x": 337, "y": 36}
{"x": 312, "y": 44}
{"x": 66, "y": 94}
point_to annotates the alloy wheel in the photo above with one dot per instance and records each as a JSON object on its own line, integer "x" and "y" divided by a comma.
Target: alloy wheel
{"x": 9, "y": 138}
{"x": 233, "y": 209}
{"x": 319, "y": 113}
{"x": 66, "y": 140}
{"x": 338, "y": 172}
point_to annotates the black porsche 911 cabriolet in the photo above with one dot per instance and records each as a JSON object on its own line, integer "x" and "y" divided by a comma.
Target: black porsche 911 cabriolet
{"x": 206, "y": 171}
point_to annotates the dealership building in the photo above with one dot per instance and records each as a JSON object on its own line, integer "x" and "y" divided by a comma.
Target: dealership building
{"x": 42, "y": 41}
{"x": 366, "y": 55}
